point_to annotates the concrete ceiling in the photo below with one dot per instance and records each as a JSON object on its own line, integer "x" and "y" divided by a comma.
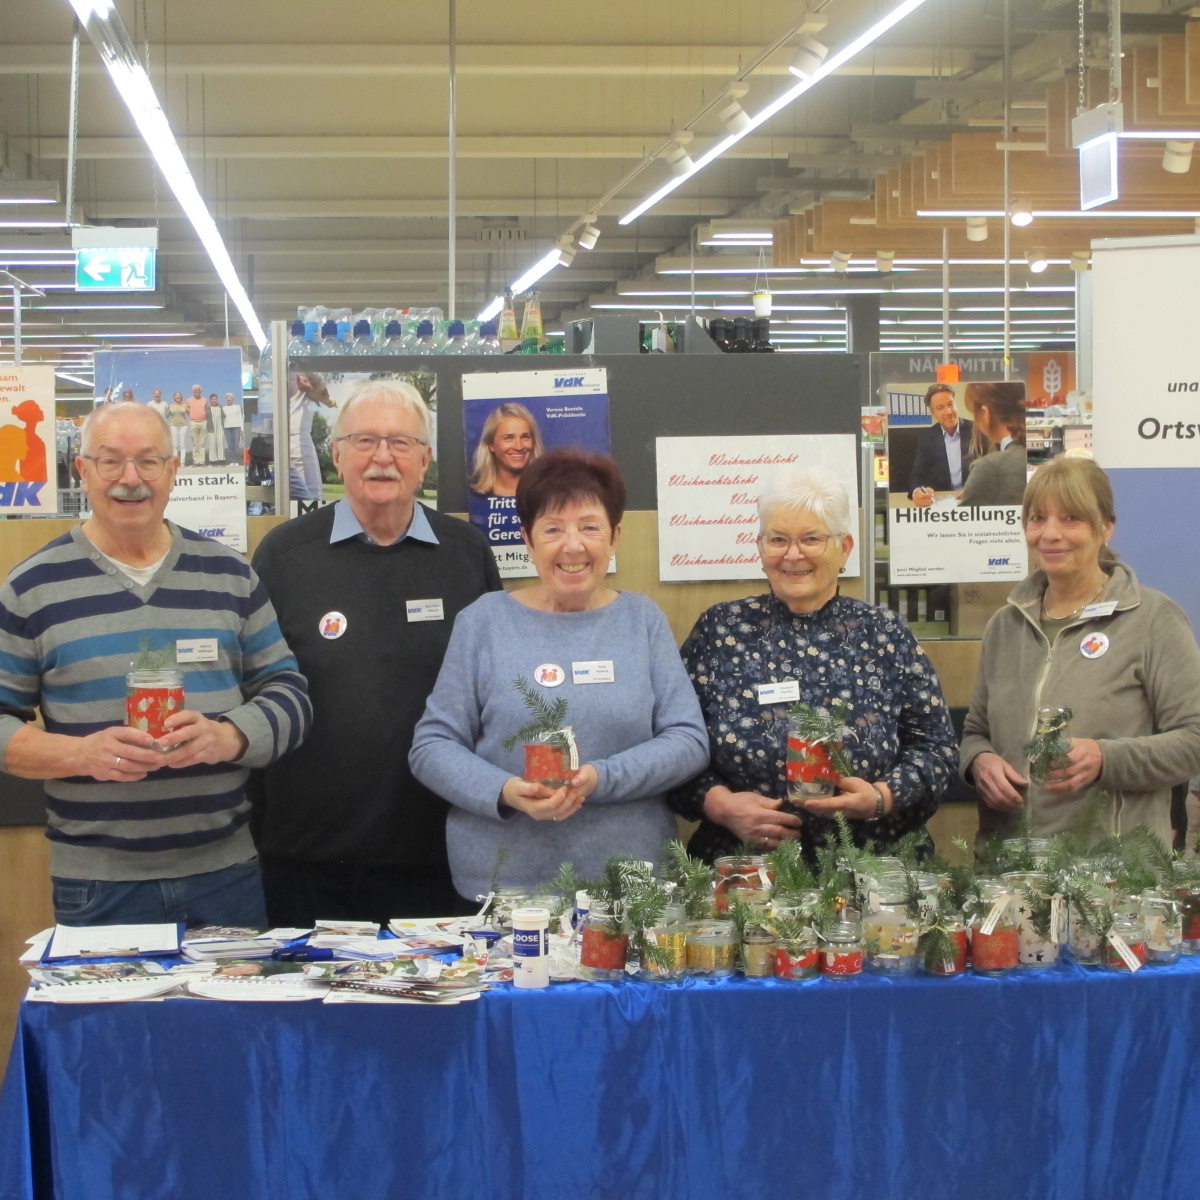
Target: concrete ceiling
{"x": 317, "y": 134}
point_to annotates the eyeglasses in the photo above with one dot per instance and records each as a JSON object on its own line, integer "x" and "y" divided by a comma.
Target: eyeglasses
{"x": 811, "y": 545}
{"x": 148, "y": 466}
{"x": 401, "y": 445}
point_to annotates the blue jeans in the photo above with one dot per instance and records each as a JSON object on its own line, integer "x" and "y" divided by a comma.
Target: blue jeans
{"x": 231, "y": 896}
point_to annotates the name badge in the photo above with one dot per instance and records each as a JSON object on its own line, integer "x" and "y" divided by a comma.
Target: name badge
{"x": 425, "y": 610}
{"x": 194, "y": 650}
{"x": 600, "y": 671}
{"x": 1104, "y": 609}
{"x": 787, "y": 692}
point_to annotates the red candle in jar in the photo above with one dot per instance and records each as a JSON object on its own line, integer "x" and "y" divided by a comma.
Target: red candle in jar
{"x": 1137, "y": 949}
{"x": 602, "y": 950}
{"x": 808, "y": 761}
{"x": 841, "y": 962}
{"x": 150, "y": 701}
{"x": 958, "y": 964}
{"x": 995, "y": 951}
{"x": 547, "y": 764}
{"x": 789, "y": 966}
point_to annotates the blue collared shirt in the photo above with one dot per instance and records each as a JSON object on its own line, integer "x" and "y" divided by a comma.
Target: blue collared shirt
{"x": 346, "y": 526}
{"x": 954, "y": 455}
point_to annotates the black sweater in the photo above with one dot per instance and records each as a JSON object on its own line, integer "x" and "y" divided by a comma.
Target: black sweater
{"x": 347, "y": 795}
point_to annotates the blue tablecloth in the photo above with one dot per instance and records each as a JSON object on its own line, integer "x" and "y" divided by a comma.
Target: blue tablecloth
{"x": 1048, "y": 1085}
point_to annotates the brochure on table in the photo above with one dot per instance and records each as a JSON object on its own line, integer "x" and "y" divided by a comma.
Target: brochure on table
{"x": 528, "y": 412}
{"x": 708, "y": 489}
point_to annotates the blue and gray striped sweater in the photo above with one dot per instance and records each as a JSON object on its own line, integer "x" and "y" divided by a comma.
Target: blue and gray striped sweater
{"x": 71, "y": 626}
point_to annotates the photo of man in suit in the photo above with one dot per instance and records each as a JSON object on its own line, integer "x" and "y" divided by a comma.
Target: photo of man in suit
{"x": 943, "y": 451}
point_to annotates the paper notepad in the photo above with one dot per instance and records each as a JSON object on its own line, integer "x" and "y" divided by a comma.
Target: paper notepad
{"x": 112, "y": 941}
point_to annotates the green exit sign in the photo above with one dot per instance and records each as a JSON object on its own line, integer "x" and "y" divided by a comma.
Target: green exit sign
{"x": 115, "y": 269}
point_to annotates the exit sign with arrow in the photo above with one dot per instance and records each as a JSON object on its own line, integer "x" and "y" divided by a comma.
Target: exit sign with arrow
{"x": 115, "y": 268}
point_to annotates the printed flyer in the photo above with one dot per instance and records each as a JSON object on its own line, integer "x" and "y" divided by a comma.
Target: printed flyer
{"x": 509, "y": 420}
{"x": 708, "y": 489}
{"x": 27, "y": 441}
{"x": 957, "y": 465}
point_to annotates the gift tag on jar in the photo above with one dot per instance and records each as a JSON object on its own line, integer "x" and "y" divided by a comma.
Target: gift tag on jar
{"x": 1055, "y": 918}
{"x": 1118, "y": 943}
{"x": 997, "y": 911}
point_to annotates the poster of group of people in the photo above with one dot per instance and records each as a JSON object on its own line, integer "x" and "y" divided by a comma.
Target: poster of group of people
{"x": 510, "y": 420}
{"x": 199, "y": 395}
{"x": 27, "y": 440}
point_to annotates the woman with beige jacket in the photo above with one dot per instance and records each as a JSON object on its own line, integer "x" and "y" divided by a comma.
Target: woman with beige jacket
{"x": 1081, "y": 633}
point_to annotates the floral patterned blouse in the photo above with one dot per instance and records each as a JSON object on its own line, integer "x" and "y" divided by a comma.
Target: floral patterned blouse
{"x": 847, "y": 650}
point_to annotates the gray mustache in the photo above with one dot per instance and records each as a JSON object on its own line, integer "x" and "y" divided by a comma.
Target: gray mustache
{"x": 122, "y": 491}
{"x": 381, "y": 473}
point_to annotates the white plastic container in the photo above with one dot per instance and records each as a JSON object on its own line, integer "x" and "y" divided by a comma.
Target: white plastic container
{"x": 531, "y": 947}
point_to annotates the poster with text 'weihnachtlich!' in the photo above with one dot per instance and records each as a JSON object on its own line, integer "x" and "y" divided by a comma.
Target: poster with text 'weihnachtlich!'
{"x": 957, "y": 472}
{"x": 708, "y": 490}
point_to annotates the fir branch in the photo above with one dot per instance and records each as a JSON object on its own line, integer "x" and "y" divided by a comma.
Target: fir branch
{"x": 1149, "y": 849}
{"x": 788, "y": 869}
{"x": 149, "y": 659}
{"x": 1049, "y": 748}
{"x": 819, "y": 728}
{"x": 548, "y": 718}
{"x": 938, "y": 949}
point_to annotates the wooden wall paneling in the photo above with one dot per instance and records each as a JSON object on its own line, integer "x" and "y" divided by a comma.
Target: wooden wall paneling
{"x": 781, "y": 242}
{"x": 1172, "y": 79}
{"x": 893, "y": 195}
{"x": 25, "y": 909}
{"x": 1144, "y": 94}
{"x": 1191, "y": 61}
{"x": 1060, "y": 108}
{"x": 946, "y": 195}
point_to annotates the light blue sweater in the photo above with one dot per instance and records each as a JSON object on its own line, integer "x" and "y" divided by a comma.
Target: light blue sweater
{"x": 643, "y": 733}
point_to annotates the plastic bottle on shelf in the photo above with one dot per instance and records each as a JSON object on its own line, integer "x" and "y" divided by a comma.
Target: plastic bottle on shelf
{"x": 393, "y": 339}
{"x": 488, "y": 342}
{"x": 330, "y": 343}
{"x": 313, "y": 317}
{"x": 760, "y": 336}
{"x": 344, "y": 325}
{"x": 424, "y": 343}
{"x": 741, "y": 336}
{"x": 531, "y": 320}
{"x": 364, "y": 342}
{"x": 299, "y": 346}
{"x": 456, "y": 342}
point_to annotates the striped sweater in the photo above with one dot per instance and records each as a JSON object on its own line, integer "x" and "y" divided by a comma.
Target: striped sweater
{"x": 71, "y": 626}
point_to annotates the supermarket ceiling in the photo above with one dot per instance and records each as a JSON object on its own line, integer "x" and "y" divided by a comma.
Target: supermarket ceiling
{"x": 317, "y": 135}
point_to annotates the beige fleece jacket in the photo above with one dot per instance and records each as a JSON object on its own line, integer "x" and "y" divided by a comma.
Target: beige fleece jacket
{"x": 1140, "y": 699}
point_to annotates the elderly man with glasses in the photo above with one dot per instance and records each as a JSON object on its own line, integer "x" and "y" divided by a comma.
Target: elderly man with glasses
{"x": 367, "y": 590}
{"x": 144, "y": 828}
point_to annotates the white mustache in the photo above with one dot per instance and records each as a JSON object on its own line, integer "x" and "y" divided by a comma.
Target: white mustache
{"x": 381, "y": 473}
{"x": 122, "y": 491}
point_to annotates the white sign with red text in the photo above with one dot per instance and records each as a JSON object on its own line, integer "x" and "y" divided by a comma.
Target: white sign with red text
{"x": 708, "y": 490}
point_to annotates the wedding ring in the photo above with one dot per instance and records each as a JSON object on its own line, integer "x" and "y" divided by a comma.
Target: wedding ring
{"x": 117, "y": 764}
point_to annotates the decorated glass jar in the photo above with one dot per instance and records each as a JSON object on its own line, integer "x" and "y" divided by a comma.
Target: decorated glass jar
{"x": 810, "y": 770}
{"x": 995, "y": 936}
{"x": 890, "y": 932}
{"x": 758, "y": 952}
{"x": 506, "y": 899}
{"x": 150, "y": 698}
{"x": 1164, "y": 927}
{"x": 1082, "y": 923}
{"x": 796, "y": 958}
{"x": 666, "y": 956}
{"x": 842, "y": 953}
{"x": 1128, "y": 931}
{"x": 1186, "y": 889}
{"x": 711, "y": 948}
{"x": 1035, "y": 908}
{"x": 944, "y": 945}
{"x": 1051, "y": 742}
{"x": 744, "y": 875}
{"x": 604, "y": 945}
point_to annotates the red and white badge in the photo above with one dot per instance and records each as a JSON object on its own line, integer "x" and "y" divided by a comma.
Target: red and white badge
{"x": 332, "y": 625}
{"x": 1094, "y": 645}
{"x": 549, "y": 674}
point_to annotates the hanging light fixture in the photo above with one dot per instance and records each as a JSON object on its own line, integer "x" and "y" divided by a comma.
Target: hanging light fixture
{"x": 884, "y": 260}
{"x": 590, "y": 235}
{"x": 1177, "y": 157}
{"x": 839, "y": 260}
{"x": 977, "y": 229}
{"x": 1037, "y": 261}
{"x": 808, "y": 57}
{"x": 731, "y": 114}
{"x": 1081, "y": 260}
{"x": 676, "y": 155}
{"x": 1020, "y": 215}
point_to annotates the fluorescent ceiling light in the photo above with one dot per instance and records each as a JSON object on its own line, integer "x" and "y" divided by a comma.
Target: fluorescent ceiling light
{"x": 105, "y": 28}
{"x": 87, "y": 383}
{"x": 28, "y": 191}
{"x": 35, "y": 224}
{"x": 831, "y": 64}
{"x": 543, "y": 266}
{"x": 491, "y": 309}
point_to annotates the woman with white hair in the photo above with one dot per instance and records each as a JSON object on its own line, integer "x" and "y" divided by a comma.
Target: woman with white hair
{"x": 750, "y": 660}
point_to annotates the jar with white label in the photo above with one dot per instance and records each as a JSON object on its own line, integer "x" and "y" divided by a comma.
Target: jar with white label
{"x": 890, "y": 932}
{"x": 1126, "y": 944}
{"x": 1036, "y": 910}
{"x": 505, "y": 900}
{"x": 995, "y": 937}
{"x": 1090, "y": 897}
{"x": 1164, "y": 927}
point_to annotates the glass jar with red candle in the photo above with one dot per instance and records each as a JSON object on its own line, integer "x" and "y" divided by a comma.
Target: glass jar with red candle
{"x": 810, "y": 770}
{"x": 842, "y": 953}
{"x": 604, "y": 945}
{"x": 1186, "y": 888}
{"x": 1130, "y": 931}
{"x": 944, "y": 945}
{"x": 747, "y": 875}
{"x": 797, "y": 957}
{"x": 150, "y": 698}
{"x": 547, "y": 763}
{"x": 995, "y": 937}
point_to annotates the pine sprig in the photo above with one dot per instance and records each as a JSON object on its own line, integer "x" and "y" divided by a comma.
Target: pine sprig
{"x": 693, "y": 880}
{"x": 149, "y": 659}
{"x": 788, "y": 869}
{"x": 548, "y": 718}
